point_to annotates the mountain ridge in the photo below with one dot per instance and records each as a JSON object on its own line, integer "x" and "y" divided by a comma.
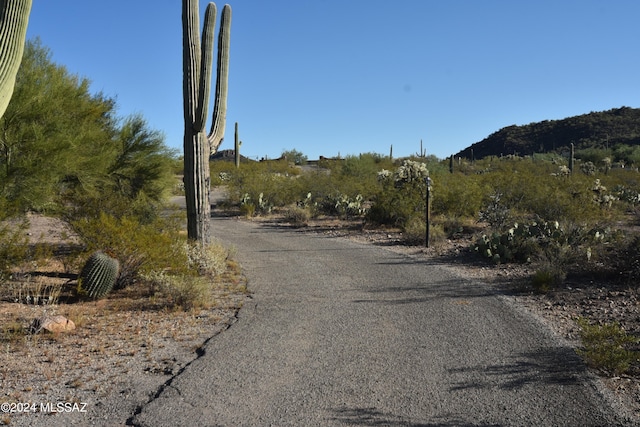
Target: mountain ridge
{"x": 603, "y": 129}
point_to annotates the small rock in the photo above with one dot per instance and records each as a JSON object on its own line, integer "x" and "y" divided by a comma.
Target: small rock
{"x": 55, "y": 324}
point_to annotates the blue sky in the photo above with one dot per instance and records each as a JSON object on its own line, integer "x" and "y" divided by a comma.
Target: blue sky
{"x": 329, "y": 77}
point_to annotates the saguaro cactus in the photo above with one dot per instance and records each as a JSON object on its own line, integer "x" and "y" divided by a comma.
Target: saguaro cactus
{"x": 14, "y": 17}
{"x": 198, "y": 145}
{"x": 572, "y": 158}
{"x": 237, "y": 144}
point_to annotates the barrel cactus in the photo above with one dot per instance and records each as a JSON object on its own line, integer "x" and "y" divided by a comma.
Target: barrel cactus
{"x": 14, "y": 17}
{"x": 99, "y": 275}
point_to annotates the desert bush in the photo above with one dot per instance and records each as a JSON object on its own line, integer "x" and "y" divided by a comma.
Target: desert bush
{"x": 414, "y": 232}
{"x": 191, "y": 288}
{"x": 183, "y": 291}
{"x": 548, "y": 277}
{"x": 139, "y": 247}
{"x": 605, "y": 347}
{"x": 222, "y": 172}
{"x": 14, "y": 244}
{"x": 341, "y": 205}
{"x": 294, "y": 156}
{"x": 297, "y": 216}
{"x": 458, "y": 195}
{"x": 403, "y": 194}
{"x": 534, "y": 189}
{"x": 336, "y": 191}
{"x": 456, "y": 227}
{"x": 495, "y": 213}
{"x": 210, "y": 260}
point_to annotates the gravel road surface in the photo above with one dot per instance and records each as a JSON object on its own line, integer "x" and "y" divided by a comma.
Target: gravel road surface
{"x": 341, "y": 333}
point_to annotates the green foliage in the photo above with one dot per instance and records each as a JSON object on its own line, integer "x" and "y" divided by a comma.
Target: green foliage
{"x": 542, "y": 239}
{"x": 143, "y": 163}
{"x": 193, "y": 288}
{"x": 14, "y": 17}
{"x": 594, "y": 155}
{"x": 605, "y": 347}
{"x": 458, "y": 195}
{"x": 548, "y": 277}
{"x": 403, "y": 194}
{"x": 60, "y": 145}
{"x": 294, "y": 156}
{"x": 55, "y": 136}
{"x": 415, "y": 231}
{"x": 184, "y": 291}
{"x": 622, "y": 259}
{"x": 261, "y": 187}
{"x": 14, "y": 244}
{"x": 139, "y": 247}
{"x": 99, "y": 275}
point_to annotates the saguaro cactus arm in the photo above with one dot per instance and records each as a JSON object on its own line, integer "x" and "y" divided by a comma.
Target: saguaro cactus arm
{"x": 14, "y": 17}
{"x": 206, "y": 66}
{"x": 190, "y": 59}
{"x": 220, "y": 101}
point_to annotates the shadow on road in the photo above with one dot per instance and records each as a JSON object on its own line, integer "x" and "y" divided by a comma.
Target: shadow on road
{"x": 553, "y": 365}
{"x": 373, "y": 417}
{"x": 427, "y": 291}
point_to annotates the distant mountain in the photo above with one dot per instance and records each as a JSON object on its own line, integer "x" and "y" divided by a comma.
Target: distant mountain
{"x": 596, "y": 129}
{"x": 228, "y": 155}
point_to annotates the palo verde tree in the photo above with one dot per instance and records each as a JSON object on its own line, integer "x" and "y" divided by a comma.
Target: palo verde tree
{"x": 14, "y": 18}
{"x": 56, "y": 138}
{"x": 198, "y": 145}
{"x": 64, "y": 150}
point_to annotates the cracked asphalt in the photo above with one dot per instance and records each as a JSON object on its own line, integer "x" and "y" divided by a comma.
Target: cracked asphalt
{"x": 341, "y": 333}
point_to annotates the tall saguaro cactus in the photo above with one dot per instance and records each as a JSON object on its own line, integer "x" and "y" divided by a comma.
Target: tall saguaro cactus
{"x": 198, "y": 145}
{"x": 236, "y": 150}
{"x": 14, "y": 17}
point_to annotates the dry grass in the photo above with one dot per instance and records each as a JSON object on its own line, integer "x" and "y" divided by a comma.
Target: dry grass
{"x": 124, "y": 346}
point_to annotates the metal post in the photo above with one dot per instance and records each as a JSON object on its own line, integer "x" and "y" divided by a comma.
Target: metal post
{"x": 428, "y": 209}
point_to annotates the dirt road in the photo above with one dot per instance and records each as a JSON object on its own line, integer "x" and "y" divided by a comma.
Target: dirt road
{"x": 340, "y": 333}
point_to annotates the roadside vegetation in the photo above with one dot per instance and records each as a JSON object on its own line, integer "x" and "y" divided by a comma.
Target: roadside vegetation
{"x": 532, "y": 211}
{"x": 107, "y": 182}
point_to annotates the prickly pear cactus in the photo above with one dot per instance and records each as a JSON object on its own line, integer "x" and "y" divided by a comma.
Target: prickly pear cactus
{"x": 99, "y": 275}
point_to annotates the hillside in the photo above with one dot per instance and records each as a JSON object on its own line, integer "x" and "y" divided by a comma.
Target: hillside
{"x": 594, "y": 130}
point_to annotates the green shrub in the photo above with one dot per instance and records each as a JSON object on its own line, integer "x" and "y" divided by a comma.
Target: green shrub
{"x": 415, "y": 232}
{"x": 458, "y": 195}
{"x": 605, "y": 347}
{"x": 403, "y": 195}
{"x": 210, "y": 260}
{"x": 14, "y": 244}
{"x": 183, "y": 291}
{"x": 547, "y": 277}
{"x": 139, "y": 247}
{"x": 191, "y": 288}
